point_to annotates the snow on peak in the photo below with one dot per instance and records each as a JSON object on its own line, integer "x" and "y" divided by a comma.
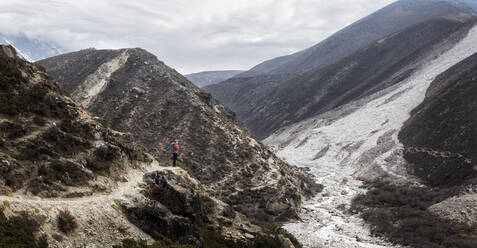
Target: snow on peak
{"x": 30, "y": 49}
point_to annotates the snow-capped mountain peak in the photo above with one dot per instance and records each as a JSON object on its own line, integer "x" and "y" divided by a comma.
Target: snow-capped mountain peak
{"x": 31, "y": 49}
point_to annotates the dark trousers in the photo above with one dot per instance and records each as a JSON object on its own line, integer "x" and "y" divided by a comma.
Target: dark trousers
{"x": 174, "y": 159}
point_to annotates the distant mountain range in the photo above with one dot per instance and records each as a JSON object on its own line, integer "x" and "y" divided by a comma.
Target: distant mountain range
{"x": 202, "y": 79}
{"x": 31, "y": 49}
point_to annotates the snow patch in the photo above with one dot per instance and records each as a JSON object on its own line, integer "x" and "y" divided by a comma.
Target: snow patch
{"x": 97, "y": 82}
{"x": 358, "y": 145}
{"x": 19, "y": 51}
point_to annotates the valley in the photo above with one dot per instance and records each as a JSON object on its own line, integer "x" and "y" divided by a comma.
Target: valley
{"x": 354, "y": 143}
{"x": 365, "y": 139}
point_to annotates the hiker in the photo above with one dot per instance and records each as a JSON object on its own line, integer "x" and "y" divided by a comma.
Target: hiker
{"x": 174, "y": 148}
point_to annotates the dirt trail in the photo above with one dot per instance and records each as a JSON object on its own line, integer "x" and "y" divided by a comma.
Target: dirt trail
{"x": 100, "y": 221}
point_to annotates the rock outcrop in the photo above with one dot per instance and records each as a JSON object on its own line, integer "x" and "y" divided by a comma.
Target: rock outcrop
{"x": 176, "y": 206}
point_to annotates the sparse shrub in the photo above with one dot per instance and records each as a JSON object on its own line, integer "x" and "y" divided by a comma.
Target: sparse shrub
{"x": 39, "y": 121}
{"x": 265, "y": 241}
{"x": 19, "y": 232}
{"x": 400, "y": 214}
{"x": 66, "y": 222}
{"x": 107, "y": 153}
{"x": 215, "y": 239}
{"x": 131, "y": 243}
{"x": 64, "y": 143}
{"x": 229, "y": 212}
{"x": 207, "y": 206}
{"x": 42, "y": 241}
{"x": 206, "y": 97}
{"x": 12, "y": 130}
{"x": 40, "y": 67}
{"x": 58, "y": 237}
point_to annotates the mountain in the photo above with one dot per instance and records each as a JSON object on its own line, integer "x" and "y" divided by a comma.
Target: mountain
{"x": 55, "y": 157}
{"x": 443, "y": 126}
{"x": 401, "y": 158}
{"x": 439, "y": 144}
{"x": 67, "y": 176}
{"x": 202, "y": 79}
{"x": 53, "y": 148}
{"x": 390, "y": 19}
{"x": 135, "y": 92}
{"x": 31, "y": 49}
{"x": 261, "y": 97}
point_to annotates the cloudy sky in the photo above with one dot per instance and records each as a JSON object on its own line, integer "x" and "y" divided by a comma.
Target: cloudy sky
{"x": 189, "y": 35}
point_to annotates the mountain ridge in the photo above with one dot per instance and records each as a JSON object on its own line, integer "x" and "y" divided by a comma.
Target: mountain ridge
{"x": 202, "y": 79}
{"x": 56, "y": 160}
{"x": 156, "y": 104}
{"x": 266, "y": 103}
{"x": 377, "y": 27}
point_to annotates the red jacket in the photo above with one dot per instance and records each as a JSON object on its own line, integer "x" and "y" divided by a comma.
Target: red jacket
{"x": 176, "y": 148}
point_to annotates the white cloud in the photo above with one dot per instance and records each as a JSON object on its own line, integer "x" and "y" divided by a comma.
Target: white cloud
{"x": 189, "y": 35}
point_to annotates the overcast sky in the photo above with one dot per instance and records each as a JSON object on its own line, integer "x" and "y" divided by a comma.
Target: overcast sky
{"x": 189, "y": 35}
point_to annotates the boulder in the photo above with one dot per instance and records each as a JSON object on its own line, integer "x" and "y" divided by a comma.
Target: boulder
{"x": 178, "y": 193}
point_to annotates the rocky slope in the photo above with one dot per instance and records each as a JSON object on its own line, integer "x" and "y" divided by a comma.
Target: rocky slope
{"x": 439, "y": 134}
{"x": 439, "y": 139}
{"x": 66, "y": 176}
{"x": 135, "y": 92}
{"x": 262, "y": 99}
{"x": 371, "y": 178}
{"x": 50, "y": 146}
{"x": 55, "y": 156}
{"x": 202, "y": 79}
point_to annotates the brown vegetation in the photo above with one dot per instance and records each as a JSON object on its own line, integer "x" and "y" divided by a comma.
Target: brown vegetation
{"x": 400, "y": 214}
{"x": 66, "y": 222}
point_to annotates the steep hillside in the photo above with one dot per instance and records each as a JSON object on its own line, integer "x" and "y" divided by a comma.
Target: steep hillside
{"x": 266, "y": 103}
{"x": 55, "y": 157}
{"x": 135, "y": 92}
{"x": 386, "y": 21}
{"x": 355, "y": 152}
{"x": 202, "y": 79}
{"x": 67, "y": 180}
{"x": 367, "y": 71}
{"x": 440, "y": 135}
{"x": 50, "y": 146}
{"x": 30, "y": 49}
